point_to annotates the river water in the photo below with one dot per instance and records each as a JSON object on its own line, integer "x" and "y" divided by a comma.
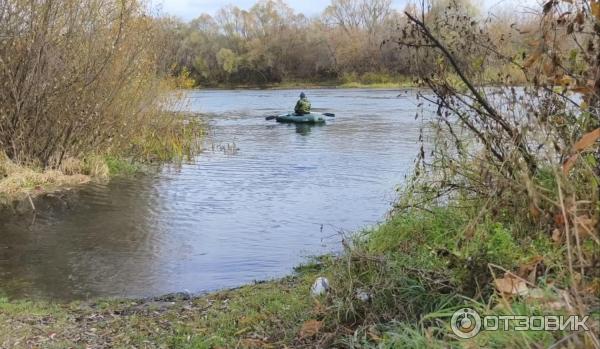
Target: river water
{"x": 259, "y": 200}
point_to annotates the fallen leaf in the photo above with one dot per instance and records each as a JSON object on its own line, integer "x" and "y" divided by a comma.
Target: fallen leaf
{"x": 511, "y": 285}
{"x": 529, "y": 270}
{"x": 587, "y": 140}
{"x": 310, "y": 328}
{"x": 556, "y": 235}
{"x": 586, "y": 90}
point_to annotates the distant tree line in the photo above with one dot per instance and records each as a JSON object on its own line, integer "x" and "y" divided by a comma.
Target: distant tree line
{"x": 270, "y": 43}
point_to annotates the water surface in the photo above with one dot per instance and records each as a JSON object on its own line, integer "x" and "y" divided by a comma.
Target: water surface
{"x": 257, "y": 202}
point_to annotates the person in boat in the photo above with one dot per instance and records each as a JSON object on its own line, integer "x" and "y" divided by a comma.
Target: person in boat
{"x": 302, "y": 106}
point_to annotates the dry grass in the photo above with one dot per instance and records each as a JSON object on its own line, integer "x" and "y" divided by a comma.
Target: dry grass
{"x": 17, "y": 181}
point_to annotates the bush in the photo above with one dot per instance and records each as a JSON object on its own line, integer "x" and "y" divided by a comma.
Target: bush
{"x": 78, "y": 78}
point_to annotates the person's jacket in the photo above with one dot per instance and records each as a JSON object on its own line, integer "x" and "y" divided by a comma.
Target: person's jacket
{"x": 302, "y": 106}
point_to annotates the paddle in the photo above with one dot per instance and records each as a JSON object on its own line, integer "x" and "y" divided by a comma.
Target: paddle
{"x": 271, "y": 117}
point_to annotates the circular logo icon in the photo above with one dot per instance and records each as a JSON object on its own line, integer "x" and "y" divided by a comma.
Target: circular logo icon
{"x": 466, "y": 323}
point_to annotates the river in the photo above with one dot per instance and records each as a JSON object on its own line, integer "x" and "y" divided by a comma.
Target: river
{"x": 258, "y": 201}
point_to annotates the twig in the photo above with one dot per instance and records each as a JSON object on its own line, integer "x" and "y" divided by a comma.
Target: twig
{"x": 31, "y": 202}
{"x": 492, "y": 112}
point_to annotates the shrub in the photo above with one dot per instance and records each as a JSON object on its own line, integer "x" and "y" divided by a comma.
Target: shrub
{"x": 78, "y": 78}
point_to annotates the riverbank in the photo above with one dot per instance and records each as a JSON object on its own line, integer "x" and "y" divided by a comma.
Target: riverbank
{"x": 370, "y": 81}
{"x": 299, "y": 85}
{"x": 172, "y": 137}
{"x": 395, "y": 286}
{"x": 22, "y": 188}
{"x": 397, "y": 83}
{"x": 26, "y": 189}
{"x": 20, "y": 185}
{"x": 254, "y": 316}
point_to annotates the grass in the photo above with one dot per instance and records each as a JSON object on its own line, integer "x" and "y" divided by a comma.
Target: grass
{"x": 118, "y": 166}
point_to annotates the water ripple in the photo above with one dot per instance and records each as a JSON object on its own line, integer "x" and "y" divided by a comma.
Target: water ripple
{"x": 231, "y": 216}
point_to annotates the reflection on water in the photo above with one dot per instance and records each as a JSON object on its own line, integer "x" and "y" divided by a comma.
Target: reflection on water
{"x": 304, "y": 129}
{"x": 229, "y": 218}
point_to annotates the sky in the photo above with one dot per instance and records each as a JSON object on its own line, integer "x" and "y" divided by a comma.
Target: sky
{"x": 190, "y": 9}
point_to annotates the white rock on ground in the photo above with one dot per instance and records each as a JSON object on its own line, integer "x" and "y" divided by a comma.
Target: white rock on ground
{"x": 363, "y": 296}
{"x": 320, "y": 286}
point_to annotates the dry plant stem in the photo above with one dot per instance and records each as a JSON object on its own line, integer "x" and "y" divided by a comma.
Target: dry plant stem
{"x": 31, "y": 202}
{"x": 484, "y": 103}
{"x": 567, "y": 233}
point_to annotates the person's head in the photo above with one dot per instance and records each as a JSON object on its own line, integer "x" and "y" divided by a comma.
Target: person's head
{"x": 302, "y": 95}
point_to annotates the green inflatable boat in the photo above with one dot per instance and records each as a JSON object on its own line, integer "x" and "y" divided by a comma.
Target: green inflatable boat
{"x": 306, "y": 118}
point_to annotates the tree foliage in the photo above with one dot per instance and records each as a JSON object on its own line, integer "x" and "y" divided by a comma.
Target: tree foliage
{"x": 271, "y": 43}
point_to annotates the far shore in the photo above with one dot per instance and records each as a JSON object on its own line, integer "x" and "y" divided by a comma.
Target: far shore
{"x": 309, "y": 85}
